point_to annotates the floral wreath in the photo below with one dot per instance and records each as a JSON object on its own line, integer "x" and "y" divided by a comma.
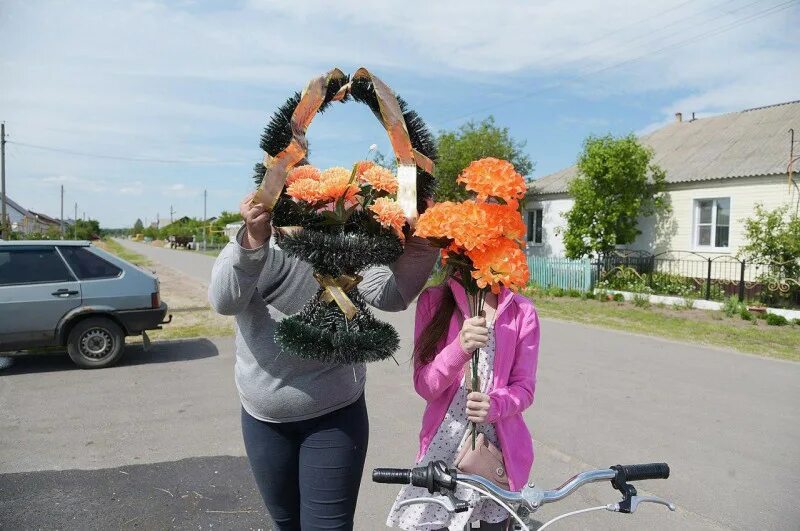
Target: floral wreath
{"x": 336, "y": 325}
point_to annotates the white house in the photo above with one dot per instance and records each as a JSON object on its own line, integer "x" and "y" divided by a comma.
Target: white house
{"x": 717, "y": 170}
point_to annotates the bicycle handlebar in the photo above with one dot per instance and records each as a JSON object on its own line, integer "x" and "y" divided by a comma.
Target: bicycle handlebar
{"x": 639, "y": 472}
{"x": 400, "y": 476}
{"x": 436, "y": 476}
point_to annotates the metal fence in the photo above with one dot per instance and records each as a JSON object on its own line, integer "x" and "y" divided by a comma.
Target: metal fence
{"x": 690, "y": 274}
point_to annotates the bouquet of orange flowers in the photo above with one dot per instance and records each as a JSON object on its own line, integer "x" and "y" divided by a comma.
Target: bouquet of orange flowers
{"x": 341, "y": 222}
{"x": 481, "y": 238}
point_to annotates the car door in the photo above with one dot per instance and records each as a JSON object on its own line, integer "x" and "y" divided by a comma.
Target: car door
{"x": 36, "y": 290}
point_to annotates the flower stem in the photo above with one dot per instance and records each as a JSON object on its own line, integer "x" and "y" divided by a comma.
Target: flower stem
{"x": 477, "y": 309}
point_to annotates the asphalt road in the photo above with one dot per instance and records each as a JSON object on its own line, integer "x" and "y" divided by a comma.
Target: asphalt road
{"x": 154, "y": 443}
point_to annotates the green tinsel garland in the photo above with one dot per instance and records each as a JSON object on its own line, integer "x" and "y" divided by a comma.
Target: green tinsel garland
{"x": 342, "y": 253}
{"x": 321, "y": 332}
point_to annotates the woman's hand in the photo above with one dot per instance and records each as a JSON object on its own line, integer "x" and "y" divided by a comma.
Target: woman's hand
{"x": 257, "y": 220}
{"x": 478, "y": 405}
{"x": 474, "y": 334}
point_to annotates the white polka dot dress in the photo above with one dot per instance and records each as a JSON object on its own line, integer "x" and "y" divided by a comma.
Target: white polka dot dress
{"x": 451, "y": 435}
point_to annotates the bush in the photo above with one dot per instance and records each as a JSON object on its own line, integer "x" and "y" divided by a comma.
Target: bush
{"x": 688, "y": 303}
{"x": 601, "y": 295}
{"x": 670, "y": 284}
{"x": 619, "y": 297}
{"x": 574, "y": 293}
{"x": 774, "y": 319}
{"x": 796, "y": 322}
{"x": 732, "y": 306}
{"x": 641, "y": 301}
{"x": 745, "y": 314}
{"x": 555, "y": 291}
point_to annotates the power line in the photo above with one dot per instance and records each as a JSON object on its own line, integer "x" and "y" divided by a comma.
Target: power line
{"x": 127, "y": 159}
{"x": 720, "y": 29}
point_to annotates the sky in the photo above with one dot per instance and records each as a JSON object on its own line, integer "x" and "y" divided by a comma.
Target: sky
{"x": 170, "y": 98}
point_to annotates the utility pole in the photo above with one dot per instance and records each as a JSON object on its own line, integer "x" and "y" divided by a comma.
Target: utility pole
{"x": 62, "y": 212}
{"x": 205, "y": 197}
{"x": 3, "y": 179}
{"x": 75, "y": 223}
{"x": 171, "y": 212}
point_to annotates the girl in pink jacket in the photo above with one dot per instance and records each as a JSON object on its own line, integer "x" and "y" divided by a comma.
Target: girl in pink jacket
{"x": 508, "y": 339}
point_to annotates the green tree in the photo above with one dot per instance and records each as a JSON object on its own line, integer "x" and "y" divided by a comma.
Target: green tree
{"x": 83, "y": 230}
{"x": 615, "y": 185}
{"x": 773, "y": 238}
{"x": 473, "y": 141}
{"x": 138, "y": 227}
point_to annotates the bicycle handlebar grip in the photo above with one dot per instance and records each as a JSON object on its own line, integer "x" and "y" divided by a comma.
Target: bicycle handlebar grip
{"x": 400, "y": 476}
{"x": 639, "y": 472}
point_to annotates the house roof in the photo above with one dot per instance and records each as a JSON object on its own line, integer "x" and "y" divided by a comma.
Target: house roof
{"x": 16, "y": 206}
{"x": 738, "y": 144}
{"x": 45, "y": 218}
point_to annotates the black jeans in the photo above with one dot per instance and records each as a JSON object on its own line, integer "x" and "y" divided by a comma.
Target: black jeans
{"x": 309, "y": 472}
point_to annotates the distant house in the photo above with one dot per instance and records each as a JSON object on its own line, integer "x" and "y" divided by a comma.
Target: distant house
{"x": 27, "y": 221}
{"x": 717, "y": 170}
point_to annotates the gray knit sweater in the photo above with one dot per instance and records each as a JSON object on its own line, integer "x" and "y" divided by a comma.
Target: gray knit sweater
{"x": 260, "y": 287}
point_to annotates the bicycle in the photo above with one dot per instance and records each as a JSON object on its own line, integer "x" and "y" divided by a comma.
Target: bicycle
{"x": 521, "y": 505}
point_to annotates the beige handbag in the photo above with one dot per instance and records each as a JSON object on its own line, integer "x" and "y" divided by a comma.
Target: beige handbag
{"x": 485, "y": 460}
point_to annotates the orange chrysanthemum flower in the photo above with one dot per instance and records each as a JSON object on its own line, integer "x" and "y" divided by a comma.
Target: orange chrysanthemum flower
{"x": 362, "y": 166}
{"x": 491, "y": 177}
{"x": 389, "y": 214}
{"x": 307, "y": 190}
{"x": 380, "y": 179}
{"x": 499, "y": 263}
{"x": 302, "y": 172}
{"x": 335, "y": 183}
{"x": 470, "y": 225}
{"x": 504, "y": 220}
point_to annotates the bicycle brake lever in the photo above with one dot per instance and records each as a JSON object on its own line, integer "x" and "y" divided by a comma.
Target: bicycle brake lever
{"x": 636, "y": 500}
{"x": 450, "y": 503}
{"x": 447, "y": 504}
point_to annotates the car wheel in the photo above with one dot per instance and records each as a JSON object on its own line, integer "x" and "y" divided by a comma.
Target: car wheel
{"x": 95, "y": 342}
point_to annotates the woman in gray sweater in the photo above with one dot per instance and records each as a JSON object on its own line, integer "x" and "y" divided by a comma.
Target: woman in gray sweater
{"x": 304, "y": 422}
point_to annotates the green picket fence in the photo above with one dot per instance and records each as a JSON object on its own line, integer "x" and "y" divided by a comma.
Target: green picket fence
{"x": 561, "y": 272}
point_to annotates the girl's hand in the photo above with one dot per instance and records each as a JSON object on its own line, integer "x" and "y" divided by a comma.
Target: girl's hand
{"x": 257, "y": 221}
{"x": 474, "y": 334}
{"x": 478, "y": 405}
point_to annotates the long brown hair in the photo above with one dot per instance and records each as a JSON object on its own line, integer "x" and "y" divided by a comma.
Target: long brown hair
{"x": 425, "y": 346}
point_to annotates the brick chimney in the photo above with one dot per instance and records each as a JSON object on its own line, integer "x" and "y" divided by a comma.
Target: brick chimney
{"x": 678, "y": 117}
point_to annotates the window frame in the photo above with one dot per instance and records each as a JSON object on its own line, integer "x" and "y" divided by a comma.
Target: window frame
{"x": 34, "y": 248}
{"x": 536, "y": 214}
{"x": 713, "y": 226}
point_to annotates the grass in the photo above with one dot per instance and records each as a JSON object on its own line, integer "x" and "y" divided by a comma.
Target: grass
{"x": 116, "y": 248}
{"x": 692, "y": 326}
{"x": 200, "y": 329}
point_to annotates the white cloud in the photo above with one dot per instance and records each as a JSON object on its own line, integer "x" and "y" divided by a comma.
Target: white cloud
{"x": 77, "y": 183}
{"x": 181, "y": 191}
{"x": 132, "y": 189}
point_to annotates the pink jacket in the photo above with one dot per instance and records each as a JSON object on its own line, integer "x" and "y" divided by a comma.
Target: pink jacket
{"x": 511, "y": 391}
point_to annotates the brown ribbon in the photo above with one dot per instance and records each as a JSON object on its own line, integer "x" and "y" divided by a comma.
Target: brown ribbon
{"x": 391, "y": 117}
{"x": 335, "y": 290}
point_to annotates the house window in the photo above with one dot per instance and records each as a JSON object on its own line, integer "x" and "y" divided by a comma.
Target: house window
{"x": 535, "y": 226}
{"x": 712, "y": 222}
